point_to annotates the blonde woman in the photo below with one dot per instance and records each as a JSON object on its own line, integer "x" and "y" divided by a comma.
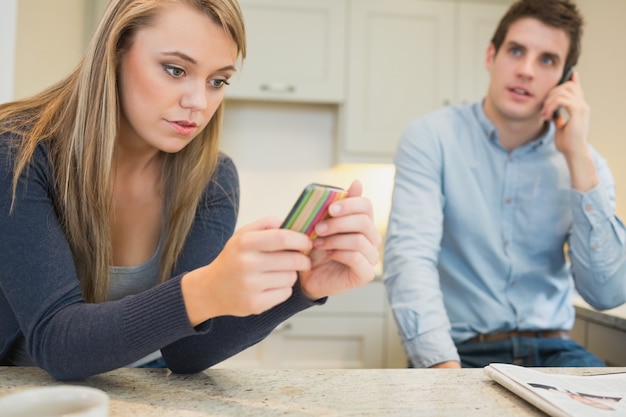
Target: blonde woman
{"x": 117, "y": 210}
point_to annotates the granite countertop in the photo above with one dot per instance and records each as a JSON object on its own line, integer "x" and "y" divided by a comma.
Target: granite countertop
{"x": 614, "y": 317}
{"x": 303, "y": 392}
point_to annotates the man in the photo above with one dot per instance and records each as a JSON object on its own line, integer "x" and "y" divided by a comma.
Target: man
{"x": 487, "y": 195}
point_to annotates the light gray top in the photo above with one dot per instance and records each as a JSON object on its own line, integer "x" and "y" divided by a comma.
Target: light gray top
{"x": 130, "y": 280}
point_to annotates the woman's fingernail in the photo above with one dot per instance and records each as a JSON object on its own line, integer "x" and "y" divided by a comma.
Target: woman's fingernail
{"x": 334, "y": 209}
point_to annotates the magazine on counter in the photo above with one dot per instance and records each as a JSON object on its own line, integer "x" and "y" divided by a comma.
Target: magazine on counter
{"x": 561, "y": 395}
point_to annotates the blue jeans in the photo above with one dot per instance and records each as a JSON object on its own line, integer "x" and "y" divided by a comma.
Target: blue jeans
{"x": 527, "y": 351}
{"x": 157, "y": 363}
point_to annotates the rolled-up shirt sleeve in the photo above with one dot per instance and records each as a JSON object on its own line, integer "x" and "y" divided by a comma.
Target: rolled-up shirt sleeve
{"x": 597, "y": 243}
{"x": 412, "y": 250}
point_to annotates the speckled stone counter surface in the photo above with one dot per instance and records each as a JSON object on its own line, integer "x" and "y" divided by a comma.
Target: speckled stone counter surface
{"x": 312, "y": 393}
{"x": 614, "y": 318}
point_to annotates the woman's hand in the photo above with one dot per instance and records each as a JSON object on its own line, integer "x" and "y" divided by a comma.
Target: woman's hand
{"x": 255, "y": 271}
{"x": 346, "y": 250}
{"x": 259, "y": 264}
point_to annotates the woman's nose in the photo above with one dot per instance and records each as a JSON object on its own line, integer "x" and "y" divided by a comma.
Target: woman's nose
{"x": 194, "y": 97}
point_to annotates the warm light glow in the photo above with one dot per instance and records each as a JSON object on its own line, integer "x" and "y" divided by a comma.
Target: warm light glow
{"x": 377, "y": 180}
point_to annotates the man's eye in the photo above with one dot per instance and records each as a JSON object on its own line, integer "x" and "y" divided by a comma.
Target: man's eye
{"x": 548, "y": 61}
{"x": 516, "y": 51}
{"x": 175, "y": 72}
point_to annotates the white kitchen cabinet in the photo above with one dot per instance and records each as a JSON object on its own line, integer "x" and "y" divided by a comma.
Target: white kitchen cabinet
{"x": 296, "y": 51}
{"x": 606, "y": 342}
{"x": 407, "y": 58}
{"x": 601, "y": 332}
{"x": 8, "y": 34}
{"x": 349, "y": 331}
{"x": 476, "y": 23}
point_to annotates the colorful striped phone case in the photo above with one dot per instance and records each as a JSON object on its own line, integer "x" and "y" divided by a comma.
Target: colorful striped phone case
{"x": 311, "y": 207}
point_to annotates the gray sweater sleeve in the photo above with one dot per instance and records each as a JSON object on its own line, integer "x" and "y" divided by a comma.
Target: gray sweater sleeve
{"x": 40, "y": 296}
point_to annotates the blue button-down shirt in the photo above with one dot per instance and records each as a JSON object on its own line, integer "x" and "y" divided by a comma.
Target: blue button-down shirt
{"x": 476, "y": 235}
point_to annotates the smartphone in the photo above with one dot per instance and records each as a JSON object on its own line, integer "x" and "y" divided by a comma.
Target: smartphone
{"x": 311, "y": 207}
{"x": 558, "y": 116}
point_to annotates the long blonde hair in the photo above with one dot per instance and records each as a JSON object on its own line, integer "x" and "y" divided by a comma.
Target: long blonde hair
{"x": 78, "y": 120}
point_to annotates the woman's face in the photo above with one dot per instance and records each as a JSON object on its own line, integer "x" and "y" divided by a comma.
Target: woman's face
{"x": 172, "y": 79}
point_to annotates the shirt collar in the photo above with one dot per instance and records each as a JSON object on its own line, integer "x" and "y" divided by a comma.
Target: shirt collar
{"x": 492, "y": 134}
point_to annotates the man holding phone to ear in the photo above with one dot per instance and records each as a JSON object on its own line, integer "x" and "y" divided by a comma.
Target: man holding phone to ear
{"x": 487, "y": 196}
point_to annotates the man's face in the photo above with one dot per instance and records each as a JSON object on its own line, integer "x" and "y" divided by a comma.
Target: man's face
{"x": 527, "y": 66}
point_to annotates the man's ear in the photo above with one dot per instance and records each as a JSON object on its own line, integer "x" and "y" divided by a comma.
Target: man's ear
{"x": 490, "y": 55}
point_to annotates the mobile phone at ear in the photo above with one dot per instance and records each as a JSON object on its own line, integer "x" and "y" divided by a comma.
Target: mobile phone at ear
{"x": 311, "y": 207}
{"x": 567, "y": 75}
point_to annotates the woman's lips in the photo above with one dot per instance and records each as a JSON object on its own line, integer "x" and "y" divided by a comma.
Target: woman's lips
{"x": 183, "y": 127}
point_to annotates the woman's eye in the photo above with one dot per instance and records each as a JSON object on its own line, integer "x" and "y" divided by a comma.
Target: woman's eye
{"x": 218, "y": 83}
{"x": 175, "y": 72}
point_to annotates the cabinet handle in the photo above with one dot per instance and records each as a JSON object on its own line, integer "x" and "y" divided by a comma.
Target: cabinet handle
{"x": 278, "y": 88}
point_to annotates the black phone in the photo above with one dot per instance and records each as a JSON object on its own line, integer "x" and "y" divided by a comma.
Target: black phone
{"x": 311, "y": 207}
{"x": 567, "y": 75}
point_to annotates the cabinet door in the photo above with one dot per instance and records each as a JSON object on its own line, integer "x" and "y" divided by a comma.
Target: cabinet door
{"x": 295, "y": 51}
{"x": 346, "y": 332}
{"x": 400, "y": 66}
{"x": 477, "y": 23}
{"x": 317, "y": 342}
{"x": 8, "y": 34}
{"x": 328, "y": 342}
{"x": 607, "y": 344}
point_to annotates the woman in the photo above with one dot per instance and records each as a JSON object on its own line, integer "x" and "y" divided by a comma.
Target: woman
{"x": 118, "y": 210}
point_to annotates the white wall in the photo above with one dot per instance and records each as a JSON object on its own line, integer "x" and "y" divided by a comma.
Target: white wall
{"x": 8, "y": 25}
{"x": 603, "y": 69}
{"x": 50, "y": 35}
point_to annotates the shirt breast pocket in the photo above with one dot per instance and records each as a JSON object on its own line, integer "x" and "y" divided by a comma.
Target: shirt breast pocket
{"x": 543, "y": 216}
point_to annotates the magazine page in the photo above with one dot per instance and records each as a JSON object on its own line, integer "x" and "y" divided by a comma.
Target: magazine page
{"x": 562, "y": 395}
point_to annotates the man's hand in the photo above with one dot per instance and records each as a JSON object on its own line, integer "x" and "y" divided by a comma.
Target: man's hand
{"x": 571, "y": 136}
{"x": 447, "y": 364}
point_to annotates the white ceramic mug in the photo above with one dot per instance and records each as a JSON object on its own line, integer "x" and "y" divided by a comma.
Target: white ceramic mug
{"x": 60, "y": 400}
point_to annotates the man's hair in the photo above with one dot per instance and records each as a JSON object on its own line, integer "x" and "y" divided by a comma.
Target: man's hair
{"x": 560, "y": 14}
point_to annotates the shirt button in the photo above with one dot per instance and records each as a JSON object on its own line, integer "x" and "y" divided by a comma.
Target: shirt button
{"x": 595, "y": 246}
{"x": 506, "y": 243}
{"x": 588, "y": 207}
{"x": 507, "y": 200}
